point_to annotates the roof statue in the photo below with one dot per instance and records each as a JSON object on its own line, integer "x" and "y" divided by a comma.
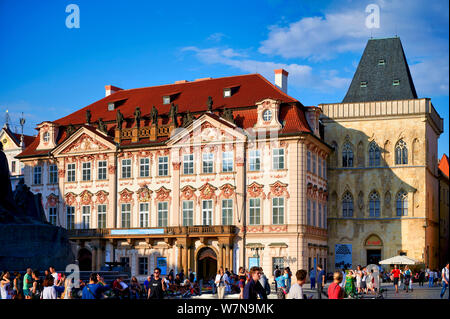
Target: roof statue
{"x": 209, "y": 104}
{"x": 173, "y": 114}
{"x": 137, "y": 117}
{"x": 88, "y": 117}
{"x": 119, "y": 119}
{"x": 154, "y": 115}
{"x": 102, "y": 126}
{"x": 228, "y": 115}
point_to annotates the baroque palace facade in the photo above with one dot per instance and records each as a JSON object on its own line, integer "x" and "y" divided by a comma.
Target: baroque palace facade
{"x": 383, "y": 174}
{"x": 193, "y": 175}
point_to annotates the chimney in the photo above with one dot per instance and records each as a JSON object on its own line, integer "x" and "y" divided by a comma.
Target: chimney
{"x": 110, "y": 89}
{"x": 281, "y": 77}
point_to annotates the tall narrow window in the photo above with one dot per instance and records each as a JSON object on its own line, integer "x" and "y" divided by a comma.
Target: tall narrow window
{"x": 314, "y": 213}
{"x": 319, "y": 169}
{"x": 101, "y": 216}
{"x": 163, "y": 166}
{"x": 143, "y": 214}
{"x": 37, "y": 175}
{"x": 52, "y": 215}
{"x": 71, "y": 172}
{"x": 227, "y": 161}
{"x": 86, "y": 171}
{"x": 255, "y": 211}
{"x": 188, "y": 164}
{"x": 347, "y": 205}
{"x": 374, "y": 204}
{"x": 144, "y": 167}
{"x": 319, "y": 214}
{"x": 227, "y": 211}
{"x": 86, "y": 217}
{"x": 324, "y": 167}
{"x": 314, "y": 163}
{"x": 13, "y": 166}
{"x": 401, "y": 153}
{"x": 277, "y": 210}
{"x": 126, "y": 216}
{"x": 402, "y": 203}
{"x": 188, "y": 213}
{"x": 374, "y": 155}
{"x": 163, "y": 208}
{"x": 308, "y": 161}
{"x": 278, "y": 158}
{"x": 208, "y": 163}
{"x": 347, "y": 155}
{"x": 53, "y": 174}
{"x": 70, "y": 217}
{"x": 207, "y": 212}
{"x": 308, "y": 212}
{"x": 126, "y": 168}
{"x": 143, "y": 266}
{"x": 325, "y": 216}
{"x": 101, "y": 174}
{"x": 255, "y": 160}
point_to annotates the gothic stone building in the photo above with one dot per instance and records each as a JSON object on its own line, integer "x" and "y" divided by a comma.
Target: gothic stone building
{"x": 214, "y": 172}
{"x": 383, "y": 174}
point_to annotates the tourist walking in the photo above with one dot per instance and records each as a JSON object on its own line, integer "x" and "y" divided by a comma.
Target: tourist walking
{"x": 296, "y": 291}
{"x": 276, "y": 273}
{"x": 36, "y": 290}
{"x": 49, "y": 290}
{"x": 281, "y": 283}
{"x": 95, "y": 288}
{"x": 17, "y": 286}
{"x": 5, "y": 285}
{"x": 264, "y": 281}
{"x": 156, "y": 288}
{"x": 335, "y": 290}
{"x": 242, "y": 278}
{"x": 288, "y": 280}
{"x": 312, "y": 278}
{"x": 364, "y": 281}
{"x": 321, "y": 279}
{"x": 350, "y": 279}
{"x": 253, "y": 289}
{"x": 396, "y": 277}
{"x": 430, "y": 278}
{"x": 221, "y": 282}
{"x": 135, "y": 288}
{"x": 27, "y": 284}
{"x": 359, "y": 275}
{"x": 407, "y": 278}
{"x": 445, "y": 277}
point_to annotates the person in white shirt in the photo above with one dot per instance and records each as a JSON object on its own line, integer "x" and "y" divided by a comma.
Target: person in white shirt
{"x": 49, "y": 291}
{"x": 445, "y": 278}
{"x": 296, "y": 291}
{"x": 55, "y": 275}
{"x": 221, "y": 283}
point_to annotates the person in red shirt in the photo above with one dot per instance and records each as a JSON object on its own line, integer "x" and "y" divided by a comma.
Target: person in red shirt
{"x": 334, "y": 290}
{"x": 396, "y": 274}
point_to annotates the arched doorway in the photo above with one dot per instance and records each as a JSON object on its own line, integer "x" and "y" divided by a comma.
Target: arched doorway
{"x": 374, "y": 246}
{"x": 206, "y": 263}
{"x": 84, "y": 259}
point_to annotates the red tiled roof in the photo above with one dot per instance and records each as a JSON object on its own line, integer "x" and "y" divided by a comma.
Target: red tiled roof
{"x": 191, "y": 96}
{"x": 443, "y": 165}
{"x": 27, "y": 139}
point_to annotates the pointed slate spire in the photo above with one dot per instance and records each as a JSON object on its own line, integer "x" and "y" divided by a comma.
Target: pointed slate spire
{"x": 382, "y": 74}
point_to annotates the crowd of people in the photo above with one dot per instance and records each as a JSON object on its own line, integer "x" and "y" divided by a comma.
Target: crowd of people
{"x": 251, "y": 284}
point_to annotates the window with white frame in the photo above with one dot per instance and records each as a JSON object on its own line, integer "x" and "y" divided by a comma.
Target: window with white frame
{"x": 188, "y": 213}
{"x": 70, "y": 217}
{"x": 278, "y": 158}
{"x": 71, "y": 172}
{"x": 52, "y": 215}
{"x": 314, "y": 213}
{"x": 102, "y": 175}
{"x": 144, "y": 167}
{"x": 314, "y": 163}
{"x": 277, "y": 210}
{"x": 86, "y": 217}
{"x": 188, "y": 164}
{"x": 374, "y": 204}
{"x": 143, "y": 266}
{"x": 53, "y": 174}
{"x": 402, "y": 203}
{"x": 347, "y": 205}
{"x": 227, "y": 161}
{"x": 308, "y": 212}
{"x": 101, "y": 216}
{"x": 227, "y": 211}
{"x": 207, "y": 212}
{"x": 255, "y": 160}
{"x": 143, "y": 214}
{"x": 126, "y": 168}
{"x": 86, "y": 171}
{"x": 37, "y": 175}
{"x": 255, "y": 211}
{"x": 46, "y": 137}
{"x": 125, "y": 215}
{"x": 163, "y": 208}
{"x": 163, "y": 166}
{"x": 208, "y": 163}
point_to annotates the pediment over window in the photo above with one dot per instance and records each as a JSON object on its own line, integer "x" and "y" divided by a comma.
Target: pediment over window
{"x": 84, "y": 141}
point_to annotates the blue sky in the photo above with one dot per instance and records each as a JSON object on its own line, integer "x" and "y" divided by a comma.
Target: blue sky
{"x": 48, "y": 71}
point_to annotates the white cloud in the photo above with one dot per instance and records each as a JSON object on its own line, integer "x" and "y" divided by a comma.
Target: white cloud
{"x": 216, "y": 37}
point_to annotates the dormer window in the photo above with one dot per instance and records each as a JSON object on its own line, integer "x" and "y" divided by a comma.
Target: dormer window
{"x": 166, "y": 99}
{"x": 396, "y": 82}
{"x": 363, "y": 84}
{"x": 111, "y": 106}
{"x": 381, "y": 62}
{"x": 46, "y": 137}
{"x": 227, "y": 92}
{"x": 267, "y": 115}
